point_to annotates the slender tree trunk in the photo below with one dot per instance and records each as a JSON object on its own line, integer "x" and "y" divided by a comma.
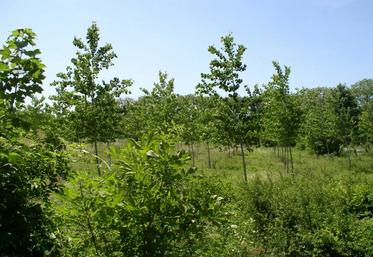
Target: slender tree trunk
{"x": 97, "y": 159}
{"x": 278, "y": 152}
{"x": 208, "y": 155}
{"x": 243, "y": 162}
{"x": 291, "y": 161}
{"x": 282, "y": 154}
{"x": 286, "y": 158}
{"x": 193, "y": 161}
{"x": 108, "y": 155}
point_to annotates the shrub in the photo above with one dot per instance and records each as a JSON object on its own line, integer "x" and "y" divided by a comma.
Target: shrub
{"x": 312, "y": 215}
{"x": 28, "y": 176}
{"x": 150, "y": 204}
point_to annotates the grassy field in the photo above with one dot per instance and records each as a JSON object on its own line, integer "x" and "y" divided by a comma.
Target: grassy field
{"x": 323, "y": 209}
{"x": 227, "y": 163}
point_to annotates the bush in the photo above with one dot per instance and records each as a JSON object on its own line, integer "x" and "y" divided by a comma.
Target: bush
{"x": 312, "y": 215}
{"x": 28, "y": 176}
{"x": 150, "y": 204}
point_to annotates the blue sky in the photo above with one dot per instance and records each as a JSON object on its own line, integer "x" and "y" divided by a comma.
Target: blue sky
{"x": 324, "y": 41}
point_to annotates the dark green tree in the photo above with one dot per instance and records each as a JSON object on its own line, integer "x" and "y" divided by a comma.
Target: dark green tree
{"x": 319, "y": 130}
{"x": 363, "y": 93}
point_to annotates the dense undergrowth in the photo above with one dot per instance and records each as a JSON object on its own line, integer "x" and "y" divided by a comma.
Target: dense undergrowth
{"x": 152, "y": 203}
{"x": 320, "y": 214}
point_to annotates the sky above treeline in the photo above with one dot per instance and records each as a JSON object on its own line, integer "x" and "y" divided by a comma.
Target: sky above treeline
{"x": 325, "y": 42}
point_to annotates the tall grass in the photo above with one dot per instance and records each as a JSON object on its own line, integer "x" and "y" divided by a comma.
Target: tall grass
{"x": 324, "y": 209}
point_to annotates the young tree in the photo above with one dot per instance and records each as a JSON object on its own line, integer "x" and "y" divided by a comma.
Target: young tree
{"x": 348, "y": 113}
{"x": 157, "y": 109}
{"x": 187, "y": 117}
{"x": 366, "y": 125}
{"x": 224, "y": 75}
{"x": 91, "y": 104}
{"x": 363, "y": 93}
{"x": 207, "y": 111}
{"x": 281, "y": 113}
{"x": 318, "y": 131}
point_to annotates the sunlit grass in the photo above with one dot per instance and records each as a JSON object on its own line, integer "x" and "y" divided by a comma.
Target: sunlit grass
{"x": 227, "y": 163}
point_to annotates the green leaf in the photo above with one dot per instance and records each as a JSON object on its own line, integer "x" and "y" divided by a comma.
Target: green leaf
{"x": 4, "y": 67}
{"x": 15, "y": 33}
{"x": 13, "y": 157}
{"x": 5, "y": 53}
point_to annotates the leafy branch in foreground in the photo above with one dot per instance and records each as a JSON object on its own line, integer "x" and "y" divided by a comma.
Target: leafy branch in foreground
{"x": 149, "y": 205}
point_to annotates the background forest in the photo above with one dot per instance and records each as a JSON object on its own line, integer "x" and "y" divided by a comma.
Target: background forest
{"x": 231, "y": 170}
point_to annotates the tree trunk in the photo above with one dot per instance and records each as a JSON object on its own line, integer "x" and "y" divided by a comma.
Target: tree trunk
{"x": 193, "y": 161}
{"x": 97, "y": 159}
{"x": 243, "y": 162}
{"x": 208, "y": 155}
{"x": 282, "y": 154}
{"x": 278, "y": 152}
{"x": 286, "y": 159}
{"x": 109, "y": 155}
{"x": 291, "y": 161}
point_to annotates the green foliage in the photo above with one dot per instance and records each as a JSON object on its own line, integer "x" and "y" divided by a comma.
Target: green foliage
{"x": 363, "y": 93}
{"x": 188, "y": 115}
{"x": 224, "y": 69}
{"x": 319, "y": 128}
{"x": 224, "y": 73}
{"x": 234, "y": 114}
{"x": 149, "y": 202}
{"x": 155, "y": 110}
{"x": 85, "y": 216}
{"x": 90, "y": 108}
{"x": 281, "y": 114}
{"x": 21, "y": 71}
{"x": 167, "y": 206}
{"x": 347, "y": 112}
{"x": 313, "y": 214}
{"x": 29, "y": 174}
{"x": 149, "y": 205}
{"x": 366, "y": 124}
{"x": 330, "y": 119}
